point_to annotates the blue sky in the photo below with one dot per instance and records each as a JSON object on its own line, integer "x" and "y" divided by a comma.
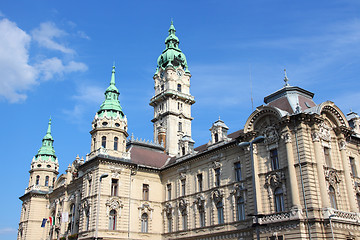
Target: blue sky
{"x": 56, "y": 59}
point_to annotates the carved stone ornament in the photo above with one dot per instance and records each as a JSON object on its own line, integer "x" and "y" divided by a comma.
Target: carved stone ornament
{"x": 200, "y": 201}
{"x": 182, "y": 176}
{"x": 85, "y": 206}
{"x": 238, "y": 189}
{"x": 324, "y": 132}
{"x": 274, "y": 179}
{"x": 168, "y": 209}
{"x": 182, "y": 205}
{"x": 217, "y": 164}
{"x": 332, "y": 177}
{"x": 342, "y": 145}
{"x": 217, "y": 195}
{"x": 357, "y": 187}
{"x": 114, "y": 204}
{"x": 315, "y": 137}
{"x": 286, "y": 137}
{"x": 270, "y": 135}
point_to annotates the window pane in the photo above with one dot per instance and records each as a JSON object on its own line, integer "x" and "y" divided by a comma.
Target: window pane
{"x": 116, "y": 140}
{"x": 183, "y": 187}
{"x": 200, "y": 182}
{"x": 274, "y": 159}
{"x": 145, "y": 192}
{"x": 103, "y": 142}
{"x": 169, "y": 191}
{"x": 237, "y": 168}
{"x": 217, "y": 177}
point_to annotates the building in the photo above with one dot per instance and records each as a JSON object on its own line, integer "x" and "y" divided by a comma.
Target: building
{"x": 290, "y": 173}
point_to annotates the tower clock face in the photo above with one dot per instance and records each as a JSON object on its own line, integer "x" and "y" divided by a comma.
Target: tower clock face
{"x": 179, "y": 73}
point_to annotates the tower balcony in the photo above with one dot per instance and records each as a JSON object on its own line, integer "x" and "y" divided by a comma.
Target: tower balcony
{"x": 173, "y": 94}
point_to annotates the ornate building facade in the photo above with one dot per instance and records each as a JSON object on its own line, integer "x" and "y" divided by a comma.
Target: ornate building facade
{"x": 290, "y": 173}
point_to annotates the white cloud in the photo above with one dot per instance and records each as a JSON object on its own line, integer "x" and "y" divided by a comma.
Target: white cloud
{"x": 51, "y": 67}
{"x": 7, "y": 230}
{"x": 88, "y": 98}
{"x": 16, "y": 75}
{"x": 83, "y": 35}
{"x": 46, "y": 34}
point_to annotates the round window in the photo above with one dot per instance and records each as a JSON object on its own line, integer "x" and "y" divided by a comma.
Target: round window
{"x": 104, "y": 123}
{"x": 117, "y": 124}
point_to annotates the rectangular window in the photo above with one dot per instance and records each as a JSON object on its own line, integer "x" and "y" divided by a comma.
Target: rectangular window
{"x": 183, "y": 187}
{"x": 89, "y": 187}
{"x": 237, "y": 167}
{"x": 184, "y": 221}
{"x": 217, "y": 177}
{"x": 202, "y": 217}
{"x": 146, "y": 192}
{"x": 274, "y": 159}
{"x": 114, "y": 187}
{"x": 169, "y": 224}
{"x": 180, "y": 127}
{"x": 200, "y": 182}
{"x": 168, "y": 191}
{"x": 327, "y": 156}
{"x": 353, "y": 167}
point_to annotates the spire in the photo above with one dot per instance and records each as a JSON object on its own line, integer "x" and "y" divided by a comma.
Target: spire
{"x": 172, "y": 55}
{"x": 111, "y": 105}
{"x": 47, "y": 149}
{"x": 286, "y": 80}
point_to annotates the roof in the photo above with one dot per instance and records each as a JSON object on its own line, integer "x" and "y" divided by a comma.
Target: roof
{"x": 147, "y": 157}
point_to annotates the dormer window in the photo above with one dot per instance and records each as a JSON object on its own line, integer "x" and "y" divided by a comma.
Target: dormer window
{"x": 216, "y": 136}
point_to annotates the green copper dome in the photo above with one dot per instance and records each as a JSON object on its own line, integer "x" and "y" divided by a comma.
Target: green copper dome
{"x": 47, "y": 150}
{"x": 111, "y": 105}
{"x": 172, "y": 55}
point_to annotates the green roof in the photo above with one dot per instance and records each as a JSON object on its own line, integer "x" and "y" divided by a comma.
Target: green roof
{"x": 47, "y": 148}
{"x": 172, "y": 55}
{"x": 111, "y": 105}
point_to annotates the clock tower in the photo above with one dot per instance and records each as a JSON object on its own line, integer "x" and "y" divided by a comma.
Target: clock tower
{"x": 172, "y": 101}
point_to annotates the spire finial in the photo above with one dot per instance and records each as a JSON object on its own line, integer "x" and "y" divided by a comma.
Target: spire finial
{"x": 286, "y": 79}
{"x": 49, "y": 126}
{"x": 112, "y": 82}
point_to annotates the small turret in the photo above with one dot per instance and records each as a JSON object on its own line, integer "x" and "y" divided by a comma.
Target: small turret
{"x": 44, "y": 166}
{"x": 109, "y": 127}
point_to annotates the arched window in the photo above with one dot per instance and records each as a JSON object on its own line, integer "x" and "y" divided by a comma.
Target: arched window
{"x": 103, "y": 142}
{"x": 332, "y": 197}
{"x": 116, "y": 140}
{"x": 47, "y": 181}
{"x": 179, "y": 87}
{"x": 220, "y": 212}
{"x": 279, "y": 200}
{"x": 37, "y": 180}
{"x": 53, "y": 183}
{"x": 144, "y": 223}
{"x": 94, "y": 143}
{"x": 216, "y": 136}
{"x": 240, "y": 207}
{"x": 112, "y": 220}
{"x": 358, "y": 200}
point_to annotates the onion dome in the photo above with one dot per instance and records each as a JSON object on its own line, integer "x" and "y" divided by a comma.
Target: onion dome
{"x": 47, "y": 149}
{"x": 172, "y": 55}
{"x": 111, "y": 105}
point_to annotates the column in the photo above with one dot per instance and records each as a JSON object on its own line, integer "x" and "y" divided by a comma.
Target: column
{"x": 347, "y": 173}
{"x": 294, "y": 189}
{"x": 325, "y": 202}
